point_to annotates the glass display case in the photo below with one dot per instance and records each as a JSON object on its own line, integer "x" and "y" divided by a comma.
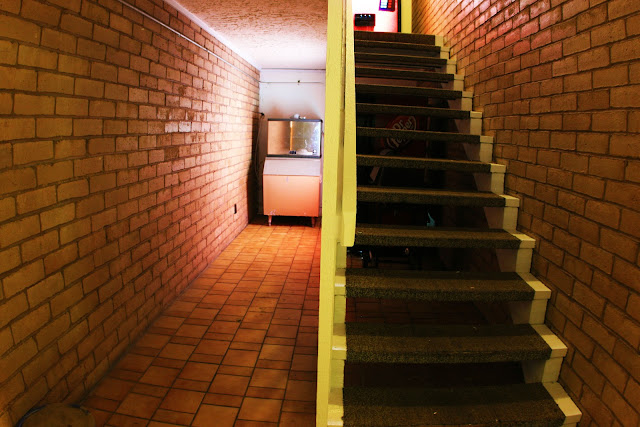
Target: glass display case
{"x": 294, "y": 138}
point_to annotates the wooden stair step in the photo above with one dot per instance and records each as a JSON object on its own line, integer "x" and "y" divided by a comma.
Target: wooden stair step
{"x": 428, "y": 92}
{"x": 424, "y": 163}
{"x": 387, "y": 235}
{"x": 427, "y": 39}
{"x": 418, "y": 135}
{"x": 429, "y": 196}
{"x": 436, "y": 285}
{"x": 399, "y": 60}
{"x": 511, "y": 404}
{"x": 361, "y": 44}
{"x": 390, "y": 73}
{"x": 364, "y": 108}
{"x": 415, "y": 343}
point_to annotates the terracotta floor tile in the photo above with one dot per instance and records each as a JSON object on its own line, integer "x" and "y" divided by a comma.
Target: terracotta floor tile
{"x": 166, "y": 417}
{"x": 153, "y": 340}
{"x": 239, "y": 340}
{"x": 233, "y": 310}
{"x": 139, "y": 405}
{"x": 168, "y": 322}
{"x": 271, "y": 378}
{"x": 169, "y": 363}
{"x": 184, "y": 340}
{"x": 292, "y": 419}
{"x": 260, "y": 409}
{"x": 236, "y": 345}
{"x": 102, "y": 403}
{"x": 182, "y": 401}
{"x": 223, "y": 400}
{"x": 199, "y": 371}
{"x": 135, "y": 362}
{"x": 224, "y": 416}
{"x": 150, "y": 390}
{"x": 192, "y": 385}
{"x": 273, "y": 364}
{"x": 229, "y": 384}
{"x": 240, "y": 358}
{"x": 217, "y": 348}
{"x": 265, "y": 393}
{"x": 299, "y": 406}
{"x": 192, "y": 331}
{"x": 205, "y": 358}
{"x": 204, "y": 313}
{"x": 250, "y": 335}
{"x": 280, "y": 341}
{"x": 243, "y": 371}
{"x": 276, "y": 352}
{"x": 158, "y": 375}
{"x": 113, "y": 388}
{"x": 224, "y": 327}
{"x": 177, "y": 351}
{"x": 119, "y": 420}
{"x": 301, "y": 390}
{"x": 282, "y": 331}
{"x": 257, "y": 317}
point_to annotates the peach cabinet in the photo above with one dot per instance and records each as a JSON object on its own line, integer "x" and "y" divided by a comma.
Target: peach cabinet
{"x": 291, "y": 187}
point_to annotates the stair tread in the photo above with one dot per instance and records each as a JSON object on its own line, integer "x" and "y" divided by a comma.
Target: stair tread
{"x": 416, "y": 343}
{"x": 417, "y": 134}
{"x": 384, "y": 44}
{"x": 386, "y": 235}
{"x": 411, "y": 110}
{"x": 397, "y": 37}
{"x": 408, "y": 90}
{"x": 512, "y": 404}
{"x": 362, "y": 71}
{"x": 436, "y": 285}
{"x": 371, "y": 193}
{"x": 417, "y": 162}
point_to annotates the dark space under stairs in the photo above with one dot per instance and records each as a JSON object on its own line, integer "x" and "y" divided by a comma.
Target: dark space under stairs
{"x": 457, "y": 334}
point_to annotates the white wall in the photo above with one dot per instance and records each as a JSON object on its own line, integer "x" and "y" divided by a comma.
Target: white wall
{"x": 284, "y": 93}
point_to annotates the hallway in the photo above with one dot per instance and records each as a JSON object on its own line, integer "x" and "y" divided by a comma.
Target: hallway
{"x": 237, "y": 348}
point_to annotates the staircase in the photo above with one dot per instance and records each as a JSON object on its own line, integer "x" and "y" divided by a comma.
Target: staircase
{"x": 443, "y": 324}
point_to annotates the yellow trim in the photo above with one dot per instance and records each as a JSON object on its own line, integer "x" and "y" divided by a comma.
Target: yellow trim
{"x": 406, "y": 16}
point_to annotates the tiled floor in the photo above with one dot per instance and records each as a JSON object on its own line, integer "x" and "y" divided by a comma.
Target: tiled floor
{"x": 237, "y": 348}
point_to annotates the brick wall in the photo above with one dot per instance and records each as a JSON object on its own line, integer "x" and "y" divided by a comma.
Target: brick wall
{"x": 559, "y": 84}
{"x": 123, "y": 150}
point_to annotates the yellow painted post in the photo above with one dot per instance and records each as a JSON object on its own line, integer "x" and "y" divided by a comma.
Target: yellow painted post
{"x": 406, "y": 16}
{"x": 331, "y": 201}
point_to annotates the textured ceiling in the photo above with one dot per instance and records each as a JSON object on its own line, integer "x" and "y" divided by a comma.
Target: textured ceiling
{"x": 270, "y": 34}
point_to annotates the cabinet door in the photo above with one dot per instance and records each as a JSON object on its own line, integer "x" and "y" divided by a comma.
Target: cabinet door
{"x": 291, "y": 195}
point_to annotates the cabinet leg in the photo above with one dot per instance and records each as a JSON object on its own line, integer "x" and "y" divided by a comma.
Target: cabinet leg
{"x": 313, "y": 221}
{"x": 270, "y": 216}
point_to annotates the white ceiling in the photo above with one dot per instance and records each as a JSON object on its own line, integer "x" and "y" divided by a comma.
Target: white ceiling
{"x": 268, "y": 33}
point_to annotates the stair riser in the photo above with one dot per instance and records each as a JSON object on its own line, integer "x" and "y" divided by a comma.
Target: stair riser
{"x": 414, "y": 91}
{"x": 429, "y": 200}
{"x": 440, "y": 113}
{"x": 409, "y": 76}
{"x": 399, "y": 37}
{"x": 417, "y": 135}
{"x": 435, "y": 54}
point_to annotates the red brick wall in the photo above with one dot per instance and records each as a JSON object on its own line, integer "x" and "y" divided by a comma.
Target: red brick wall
{"x": 559, "y": 84}
{"x": 123, "y": 150}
